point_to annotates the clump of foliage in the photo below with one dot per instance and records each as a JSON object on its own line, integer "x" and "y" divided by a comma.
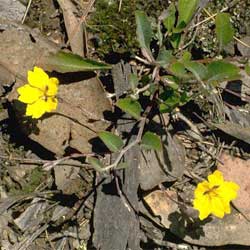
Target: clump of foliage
{"x": 171, "y": 76}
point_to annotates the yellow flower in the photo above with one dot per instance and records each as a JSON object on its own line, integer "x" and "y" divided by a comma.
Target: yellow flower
{"x": 214, "y": 196}
{"x": 39, "y": 93}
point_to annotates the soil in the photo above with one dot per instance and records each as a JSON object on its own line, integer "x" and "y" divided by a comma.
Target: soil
{"x": 51, "y": 197}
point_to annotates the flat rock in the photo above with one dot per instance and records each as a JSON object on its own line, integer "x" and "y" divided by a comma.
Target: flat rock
{"x": 166, "y": 165}
{"x": 232, "y": 229}
{"x": 12, "y": 9}
{"x": 238, "y": 170}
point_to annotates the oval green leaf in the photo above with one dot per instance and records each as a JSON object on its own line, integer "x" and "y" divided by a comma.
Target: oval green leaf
{"x": 221, "y": 70}
{"x": 113, "y": 142}
{"x": 224, "y": 29}
{"x": 186, "y": 10}
{"x": 151, "y": 141}
{"x": 68, "y": 62}
{"x": 95, "y": 163}
{"x": 164, "y": 57}
{"x": 178, "y": 69}
{"x": 198, "y": 69}
{"x": 130, "y": 106}
{"x": 169, "y": 20}
{"x": 144, "y": 31}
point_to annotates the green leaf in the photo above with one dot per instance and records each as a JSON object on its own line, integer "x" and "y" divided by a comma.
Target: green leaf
{"x": 247, "y": 68}
{"x": 96, "y": 163}
{"x": 144, "y": 31}
{"x": 186, "y": 56}
{"x": 130, "y": 106}
{"x": 175, "y": 40}
{"x": 171, "y": 99}
{"x": 133, "y": 81}
{"x": 151, "y": 141}
{"x": 172, "y": 81}
{"x": 68, "y": 62}
{"x": 221, "y": 71}
{"x": 165, "y": 57}
{"x": 198, "y": 69}
{"x": 169, "y": 21}
{"x": 178, "y": 69}
{"x": 112, "y": 141}
{"x": 186, "y": 10}
{"x": 224, "y": 29}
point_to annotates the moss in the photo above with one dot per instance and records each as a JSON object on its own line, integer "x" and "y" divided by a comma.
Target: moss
{"x": 29, "y": 185}
{"x": 35, "y": 178}
{"x": 114, "y": 31}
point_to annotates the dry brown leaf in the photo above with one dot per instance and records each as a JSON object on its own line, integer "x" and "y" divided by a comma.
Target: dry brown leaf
{"x": 73, "y": 26}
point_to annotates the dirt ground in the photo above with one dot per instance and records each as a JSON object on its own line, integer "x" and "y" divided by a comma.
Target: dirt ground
{"x": 53, "y": 195}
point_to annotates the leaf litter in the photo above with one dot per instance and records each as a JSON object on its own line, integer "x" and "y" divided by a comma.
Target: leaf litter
{"x": 54, "y": 209}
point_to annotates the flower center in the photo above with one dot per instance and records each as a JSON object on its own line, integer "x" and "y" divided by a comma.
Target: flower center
{"x": 212, "y": 192}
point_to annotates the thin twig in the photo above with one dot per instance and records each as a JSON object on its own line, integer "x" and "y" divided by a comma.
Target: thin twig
{"x": 142, "y": 60}
{"x": 47, "y": 164}
{"x": 124, "y": 201}
{"x": 208, "y": 18}
{"x": 26, "y": 11}
{"x": 120, "y": 6}
{"x": 128, "y": 147}
{"x": 198, "y": 135}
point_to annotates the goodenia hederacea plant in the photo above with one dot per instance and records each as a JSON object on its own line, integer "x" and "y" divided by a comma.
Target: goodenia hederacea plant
{"x": 39, "y": 93}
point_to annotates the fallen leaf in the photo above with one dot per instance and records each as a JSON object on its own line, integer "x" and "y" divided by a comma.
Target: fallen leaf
{"x": 235, "y": 130}
{"x": 73, "y": 26}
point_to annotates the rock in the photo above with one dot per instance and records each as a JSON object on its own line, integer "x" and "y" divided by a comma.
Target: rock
{"x": 233, "y": 229}
{"x": 238, "y": 170}
{"x": 245, "y": 51}
{"x": 161, "y": 204}
{"x": 162, "y": 166}
{"x": 12, "y": 9}
{"x": 69, "y": 126}
{"x": 67, "y": 178}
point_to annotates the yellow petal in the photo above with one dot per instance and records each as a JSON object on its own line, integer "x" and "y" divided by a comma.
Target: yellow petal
{"x": 227, "y": 208}
{"x": 51, "y": 104}
{"x": 53, "y": 86}
{"x": 38, "y": 78}
{"x": 217, "y": 207}
{"x": 201, "y": 188}
{"x": 228, "y": 190}
{"x": 215, "y": 179}
{"x": 37, "y": 109}
{"x": 202, "y": 204}
{"x": 29, "y": 94}
{"x": 54, "y": 80}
